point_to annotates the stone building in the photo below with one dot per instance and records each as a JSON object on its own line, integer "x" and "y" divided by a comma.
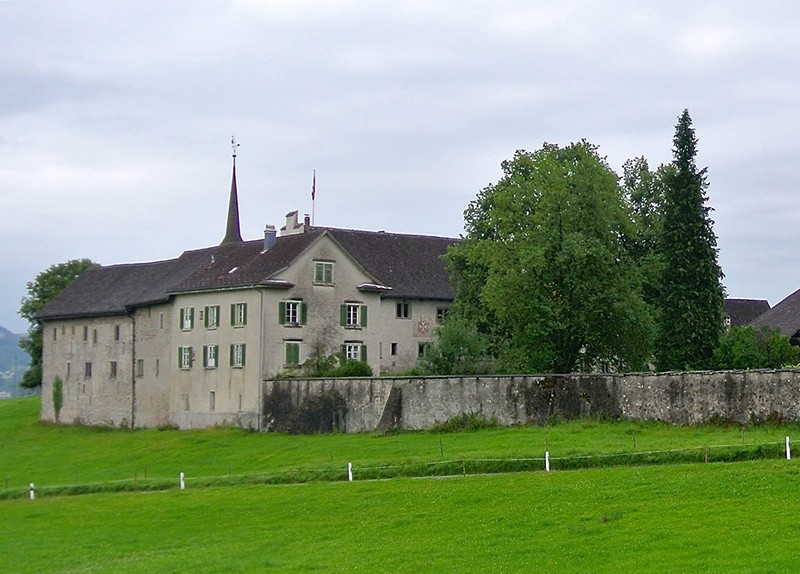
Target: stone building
{"x": 189, "y": 341}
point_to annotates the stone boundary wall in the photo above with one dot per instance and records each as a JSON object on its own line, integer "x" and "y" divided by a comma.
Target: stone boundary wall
{"x": 415, "y": 403}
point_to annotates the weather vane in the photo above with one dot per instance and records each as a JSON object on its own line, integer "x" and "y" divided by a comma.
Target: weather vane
{"x": 234, "y": 145}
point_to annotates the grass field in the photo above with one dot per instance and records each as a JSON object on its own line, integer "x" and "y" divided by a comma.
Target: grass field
{"x": 718, "y": 517}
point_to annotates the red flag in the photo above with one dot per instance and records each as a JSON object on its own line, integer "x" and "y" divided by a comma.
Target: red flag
{"x": 314, "y": 185}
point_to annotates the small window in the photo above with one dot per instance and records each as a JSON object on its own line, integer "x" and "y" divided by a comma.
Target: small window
{"x": 55, "y": 333}
{"x": 212, "y": 316}
{"x": 212, "y": 401}
{"x": 184, "y": 358}
{"x": 69, "y": 368}
{"x": 112, "y": 372}
{"x": 353, "y": 315}
{"x": 94, "y": 336}
{"x": 292, "y": 353}
{"x": 187, "y": 318}
{"x": 161, "y": 320}
{"x": 422, "y": 349}
{"x": 355, "y": 351}
{"x": 86, "y": 333}
{"x": 116, "y": 332}
{"x": 238, "y": 355}
{"x": 157, "y": 367}
{"x": 238, "y": 314}
{"x": 139, "y": 367}
{"x": 441, "y": 314}
{"x": 292, "y": 313}
{"x": 87, "y": 370}
{"x": 210, "y": 354}
{"x": 323, "y": 273}
{"x": 394, "y": 349}
{"x": 404, "y": 310}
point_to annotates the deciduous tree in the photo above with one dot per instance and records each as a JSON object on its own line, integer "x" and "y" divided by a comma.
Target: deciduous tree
{"x": 543, "y": 269}
{"x": 41, "y": 290}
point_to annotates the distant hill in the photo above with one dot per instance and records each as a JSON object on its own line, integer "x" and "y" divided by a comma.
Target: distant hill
{"x": 11, "y": 357}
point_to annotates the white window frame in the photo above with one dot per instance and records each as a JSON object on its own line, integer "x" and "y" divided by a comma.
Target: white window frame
{"x": 239, "y": 314}
{"x": 236, "y": 360}
{"x": 186, "y": 358}
{"x": 212, "y": 316}
{"x": 211, "y": 357}
{"x": 353, "y": 315}
{"x": 352, "y": 351}
{"x": 187, "y": 318}
{"x": 292, "y": 316}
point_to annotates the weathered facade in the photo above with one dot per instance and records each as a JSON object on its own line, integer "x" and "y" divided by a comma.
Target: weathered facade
{"x": 188, "y": 341}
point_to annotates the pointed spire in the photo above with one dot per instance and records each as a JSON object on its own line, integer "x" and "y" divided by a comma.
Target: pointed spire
{"x": 232, "y": 231}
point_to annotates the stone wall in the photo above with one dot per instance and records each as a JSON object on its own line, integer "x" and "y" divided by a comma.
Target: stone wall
{"x": 419, "y": 403}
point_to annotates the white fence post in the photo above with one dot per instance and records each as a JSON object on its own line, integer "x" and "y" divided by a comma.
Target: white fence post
{"x": 547, "y": 461}
{"x": 350, "y": 472}
{"x": 183, "y": 484}
{"x": 31, "y": 493}
{"x": 788, "y": 450}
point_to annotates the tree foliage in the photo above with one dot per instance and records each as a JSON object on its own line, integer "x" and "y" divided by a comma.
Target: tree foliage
{"x": 459, "y": 349}
{"x": 42, "y": 290}
{"x": 543, "y": 272}
{"x": 691, "y": 297}
{"x": 754, "y": 348}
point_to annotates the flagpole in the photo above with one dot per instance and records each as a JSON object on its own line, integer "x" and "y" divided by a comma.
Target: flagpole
{"x": 313, "y": 195}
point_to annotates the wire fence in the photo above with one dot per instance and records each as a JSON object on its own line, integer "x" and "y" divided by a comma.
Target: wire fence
{"x": 420, "y": 469}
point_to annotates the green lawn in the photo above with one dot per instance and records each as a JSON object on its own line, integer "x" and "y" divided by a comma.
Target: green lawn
{"x": 51, "y": 455}
{"x": 738, "y": 517}
{"x": 731, "y": 517}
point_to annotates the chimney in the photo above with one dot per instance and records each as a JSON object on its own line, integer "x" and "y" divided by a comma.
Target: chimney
{"x": 306, "y": 223}
{"x": 269, "y": 236}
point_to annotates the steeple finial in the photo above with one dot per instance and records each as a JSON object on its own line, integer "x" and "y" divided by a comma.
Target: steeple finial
{"x": 232, "y": 231}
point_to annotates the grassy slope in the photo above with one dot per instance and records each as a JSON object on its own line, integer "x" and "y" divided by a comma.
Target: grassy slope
{"x": 714, "y": 517}
{"x": 678, "y": 518}
{"x": 52, "y": 455}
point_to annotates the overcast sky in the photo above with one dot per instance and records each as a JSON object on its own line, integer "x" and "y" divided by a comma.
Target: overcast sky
{"x": 116, "y": 117}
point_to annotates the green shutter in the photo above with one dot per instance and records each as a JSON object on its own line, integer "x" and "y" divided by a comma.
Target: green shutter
{"x": 205, "y": 356}
{"x": 363, "y": 314}
{"x": 292, "y": 353}
{"x": 244, "y": 313}
{"x": 233, "y": 314}
{"x": 303, "y": 313}
{"x": 343, "y": 315}
{"x": 180, "y": 357}
{"x": 191, "y": 317}
{"x": 243, "y": 353}
{"x": 364, "y": 353}
{"x": 343, "y": 351}
{"x": 230, "y": 355}
{"x": 191, "y": 358}
{"x": 205, "y": 317}
{"x": 282, "y": 313}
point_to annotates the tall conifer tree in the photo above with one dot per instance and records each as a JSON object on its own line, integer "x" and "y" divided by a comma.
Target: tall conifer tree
{"x": 690, "y": 321}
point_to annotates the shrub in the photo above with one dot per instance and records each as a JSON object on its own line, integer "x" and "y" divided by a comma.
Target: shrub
{"x": 58, "y": 396}
{"x": 466, "y": 422}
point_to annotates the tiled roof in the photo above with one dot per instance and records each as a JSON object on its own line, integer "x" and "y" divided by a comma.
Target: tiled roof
{"x": 785, "y": 315}
{"x": 112, "y": 290}
{"x": 245, "y": 264}
{"x": 742, "y": 311}
{"x": 410, "y": 264}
